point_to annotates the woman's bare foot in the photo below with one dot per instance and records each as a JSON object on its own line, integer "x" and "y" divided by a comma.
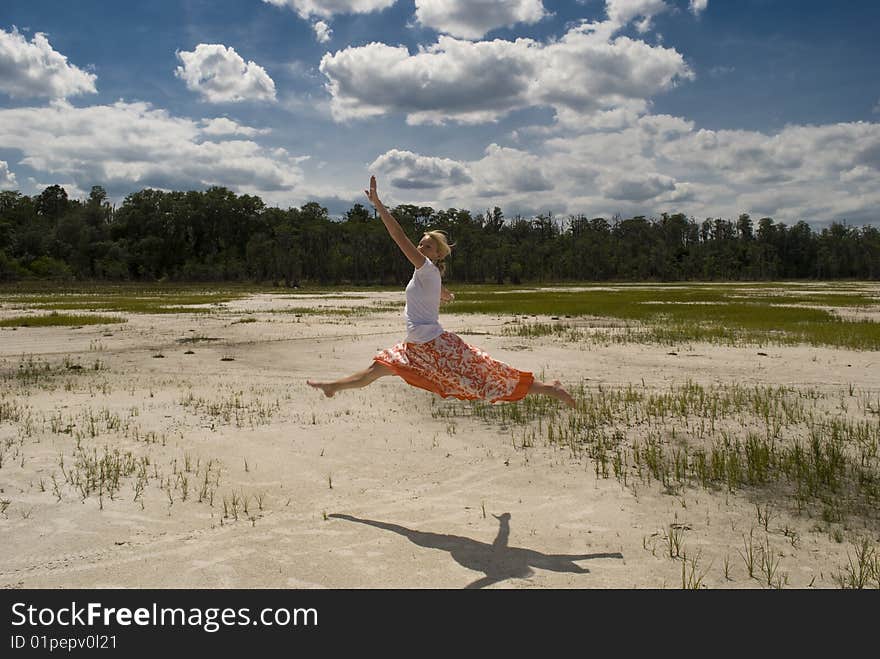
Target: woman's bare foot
{"x": 326, "y": 387}
{"x": 555, "y": 390}
{"x": 562, "y": 394}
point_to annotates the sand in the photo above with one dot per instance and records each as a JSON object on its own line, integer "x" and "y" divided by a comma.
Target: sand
{"x": 366, "y": 489}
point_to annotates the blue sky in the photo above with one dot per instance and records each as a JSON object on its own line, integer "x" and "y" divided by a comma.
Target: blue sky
{"x": 598, "y": 107}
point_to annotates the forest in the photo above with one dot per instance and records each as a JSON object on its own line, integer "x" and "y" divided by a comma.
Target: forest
{"x": 216, "y": 235}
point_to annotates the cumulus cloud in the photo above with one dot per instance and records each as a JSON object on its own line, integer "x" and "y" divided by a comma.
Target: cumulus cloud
{"x": 407, "y": 170}
{"x": 129, "y": 146}
{"x": 471, "y": 19}
{"x": 328, "y": 8}
{"x": 800, "y": 172}
{"x": 661, "y": 163}
{"x": 220, "y": 75}
{"x": 504, "y": 170}
{"x": 502, "y": 173}
{"x": 323, "y": 33}
{"x": 797, "y": 153}
{"x": 622, "y": 12}
{"x": 224, "y": 126}
{"x": 7, "y": 177}
{"x": 585, "y": 73}
{"x": 581, "y": 74}
{"x": 35, "y": 69}
{"x": 698, "y": 6}
{"x": 468, "y": 82}
{"x": 638, "y": 187}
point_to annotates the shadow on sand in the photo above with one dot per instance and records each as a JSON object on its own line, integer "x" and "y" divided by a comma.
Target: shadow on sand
{"x": 497, "y": 561}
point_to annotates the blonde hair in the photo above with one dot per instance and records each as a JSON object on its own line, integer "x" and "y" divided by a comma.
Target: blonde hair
{"x": 444, "y": 249}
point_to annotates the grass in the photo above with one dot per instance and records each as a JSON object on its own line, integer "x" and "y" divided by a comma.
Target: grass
{"x": 670, "y": 315}
{"x": 129, "y": 298}
{"x": 321, "y": 310}
{"x": 771, "y": 441}
{"x": 145, "y": 304}
{"x": 863, "y": 569}
{"x": 167, "y": 299}
{"x": 55, "y": 319}
{"x": 235, "y": 407}
{"x": 691, "y": 575}
{"x": 32, "y": 372}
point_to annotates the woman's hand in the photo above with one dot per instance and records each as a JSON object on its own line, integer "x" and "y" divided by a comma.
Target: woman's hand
{"x": 371, "y": 193}
{"x": 398, "y": 235}
{"x": 445, "y": 295}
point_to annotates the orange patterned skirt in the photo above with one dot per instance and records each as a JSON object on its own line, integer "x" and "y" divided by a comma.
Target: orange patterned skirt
{"x": 450, "y": 367}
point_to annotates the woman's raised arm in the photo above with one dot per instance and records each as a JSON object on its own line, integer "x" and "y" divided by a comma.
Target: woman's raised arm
{"x": 394, "y": 229}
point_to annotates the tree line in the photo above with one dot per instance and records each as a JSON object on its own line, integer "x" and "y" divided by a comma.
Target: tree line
{"x": 217, "y": 235}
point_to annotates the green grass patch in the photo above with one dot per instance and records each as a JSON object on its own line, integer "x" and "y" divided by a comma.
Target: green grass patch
{"x": 674, "y": 315}
{"x": 340, "y": 311}
{"x": 128, "y": 298}
{"x": 158, "y": 304}
{"x": 325, "y": 297}
{"x": 847, "y": 300}
{"x": 152, "y": 299}
{"x": 55, "y": 320}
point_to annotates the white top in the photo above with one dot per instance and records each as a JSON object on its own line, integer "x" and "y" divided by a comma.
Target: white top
{"x": 422, "y": 310}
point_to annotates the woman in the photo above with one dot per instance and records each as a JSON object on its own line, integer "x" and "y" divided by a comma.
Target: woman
{"x": 431, "y": 358}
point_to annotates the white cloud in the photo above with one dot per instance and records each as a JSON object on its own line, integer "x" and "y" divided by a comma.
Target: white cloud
{"x": 797, "y": 153}
{"x": 617, "y": 118}
{"x": 586, "y": 73}
{"x": 582, "y": 74}
{"x": 220, "y": 75}
{"x": 637, "y": 187}
{"x": 661, "y": 163}
{"x": 698, "y": 6}
{"x": 224, "y": 126}
{"x": 651, "y": 164}
{"x": 129, "y": 146}
{"x": 858, "y": 174}
{"x": 660, "y": 158}
{"x": 622, "y": 12}
{"x": 323, "y": 33}
{"x": 409, "y": 171}
{"x": 35, "y": 69}
{"x": 503, "y": 170}
{"x": 328, "y": 8}
{"x": 7, "y": 177}
{"x": 471, "y": 19}
{"x": 458, "y": 80}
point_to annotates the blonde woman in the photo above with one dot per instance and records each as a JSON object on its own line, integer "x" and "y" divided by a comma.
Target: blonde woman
{"x": 431, "y": 358}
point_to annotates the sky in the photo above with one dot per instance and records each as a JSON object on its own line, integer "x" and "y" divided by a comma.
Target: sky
{"x": 600, "y": 108}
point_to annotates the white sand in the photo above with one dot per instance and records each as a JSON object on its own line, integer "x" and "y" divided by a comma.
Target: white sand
{"x": 439, "y": 492}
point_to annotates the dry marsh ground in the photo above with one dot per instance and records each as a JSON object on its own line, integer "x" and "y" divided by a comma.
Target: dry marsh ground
{"x": 726, "y": 436}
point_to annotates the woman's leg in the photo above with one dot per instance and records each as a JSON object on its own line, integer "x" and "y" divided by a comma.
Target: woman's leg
{"x": 355, "y": 381}
{"x": 556, "y": 390}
